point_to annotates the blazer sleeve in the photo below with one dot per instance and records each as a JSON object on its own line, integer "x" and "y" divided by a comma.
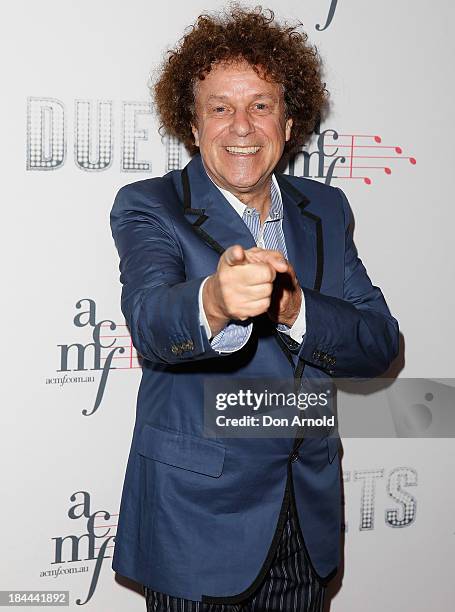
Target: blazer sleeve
{"x": 159, "y": 304}
{"x": 355, "y": 336}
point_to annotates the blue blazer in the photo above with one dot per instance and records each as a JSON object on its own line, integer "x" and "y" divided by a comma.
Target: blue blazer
{"x": 200, "y": 517}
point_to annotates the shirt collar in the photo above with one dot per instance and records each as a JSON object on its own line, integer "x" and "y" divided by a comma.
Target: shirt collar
{"x": 276, "y": 206}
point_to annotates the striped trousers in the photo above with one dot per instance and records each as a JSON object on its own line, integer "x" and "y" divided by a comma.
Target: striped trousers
{"x": 290, "y": 585}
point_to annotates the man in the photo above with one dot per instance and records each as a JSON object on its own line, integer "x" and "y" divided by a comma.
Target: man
{"x": 229, "y": 268}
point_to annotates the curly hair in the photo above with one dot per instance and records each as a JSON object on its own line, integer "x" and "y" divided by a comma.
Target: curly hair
{"x": 277, "y": 52}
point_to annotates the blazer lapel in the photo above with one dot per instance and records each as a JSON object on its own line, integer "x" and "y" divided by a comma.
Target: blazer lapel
{"x": 211, "y": 215}
{"x": 303, "y": 235}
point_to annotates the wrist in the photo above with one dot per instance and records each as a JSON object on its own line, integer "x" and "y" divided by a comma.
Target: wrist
{"x": 291, "y": 317}
{"x": 216, "y": 317}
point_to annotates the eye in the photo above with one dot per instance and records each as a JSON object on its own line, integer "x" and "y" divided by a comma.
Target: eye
{"x": 219, "y": 109}
{"x": 261, "y": 105}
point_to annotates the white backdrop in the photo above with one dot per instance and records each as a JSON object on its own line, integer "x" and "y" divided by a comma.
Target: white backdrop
{"x": 67, "y": 425}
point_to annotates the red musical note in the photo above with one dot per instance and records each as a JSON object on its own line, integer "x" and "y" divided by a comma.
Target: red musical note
{"x": 130, "y": 357}
{"x": 354, "y": 148}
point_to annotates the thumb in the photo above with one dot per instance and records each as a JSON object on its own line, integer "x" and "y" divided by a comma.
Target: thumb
{"x": 234, "y": 255}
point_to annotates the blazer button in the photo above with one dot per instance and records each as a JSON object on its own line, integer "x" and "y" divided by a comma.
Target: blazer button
{"x": 294, "y": 456}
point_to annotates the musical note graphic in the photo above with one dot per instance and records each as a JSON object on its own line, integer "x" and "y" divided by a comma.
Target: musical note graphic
{"x": 129, "y": 358}
{"x": 103, "y": 526}
{"x": 362, "y": 152}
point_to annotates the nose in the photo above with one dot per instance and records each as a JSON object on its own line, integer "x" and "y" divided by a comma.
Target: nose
{"x": 241, "y": 123}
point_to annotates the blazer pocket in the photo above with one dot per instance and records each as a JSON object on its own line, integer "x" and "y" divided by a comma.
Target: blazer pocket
{"x": 333, "y": 445}
{"x": 182, "y": 450}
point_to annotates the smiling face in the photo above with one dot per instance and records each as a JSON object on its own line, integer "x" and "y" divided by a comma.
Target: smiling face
{"x": 240, "y": 127}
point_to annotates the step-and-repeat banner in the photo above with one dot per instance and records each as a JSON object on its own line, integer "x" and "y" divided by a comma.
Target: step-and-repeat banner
{"x": 77, "y": 125}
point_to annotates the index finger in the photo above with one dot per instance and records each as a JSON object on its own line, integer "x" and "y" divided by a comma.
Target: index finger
{"x": 271, "y": 256}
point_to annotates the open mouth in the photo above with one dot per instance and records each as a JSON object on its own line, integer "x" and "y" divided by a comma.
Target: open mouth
{"x": 242, "y": 150}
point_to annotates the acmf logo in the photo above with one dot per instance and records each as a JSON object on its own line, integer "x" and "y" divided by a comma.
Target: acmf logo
{"x": 111, "y": 348}
{"x": 92, "y": 545}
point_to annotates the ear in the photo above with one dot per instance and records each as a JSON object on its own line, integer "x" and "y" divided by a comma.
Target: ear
{"x": 288, "y": 128}
{"x": 195, "y": 134}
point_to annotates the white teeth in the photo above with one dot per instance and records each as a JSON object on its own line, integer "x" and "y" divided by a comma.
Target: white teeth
{"x": 244, "y": 150}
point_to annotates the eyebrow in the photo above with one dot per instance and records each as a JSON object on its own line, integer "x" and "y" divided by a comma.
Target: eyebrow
{"x": 254, "y": 96}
